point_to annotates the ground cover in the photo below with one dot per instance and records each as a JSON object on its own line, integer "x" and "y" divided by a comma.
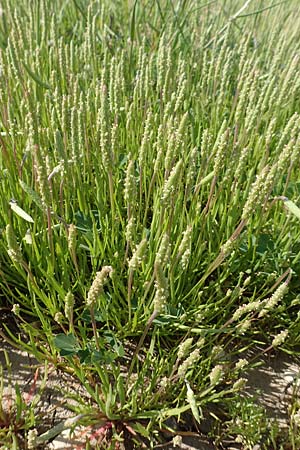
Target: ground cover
{"x": 149, "y": 223}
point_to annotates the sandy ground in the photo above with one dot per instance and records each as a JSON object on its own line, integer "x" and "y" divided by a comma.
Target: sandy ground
{"x": 271, "y": 383}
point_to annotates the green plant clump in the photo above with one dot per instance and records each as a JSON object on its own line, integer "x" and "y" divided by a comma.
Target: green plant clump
{"x": 149, "y": 181}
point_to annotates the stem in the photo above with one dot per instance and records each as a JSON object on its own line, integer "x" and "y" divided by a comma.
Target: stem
{"x": 111, "y": 196}
{"x": 148, "y": 199}
{"x": 130, "y": 280}
{"x": 92, "y": 312}
{"x": 50, "y": 236}
{"x": 141, "y": 341}
{"x": 211, "y": 193}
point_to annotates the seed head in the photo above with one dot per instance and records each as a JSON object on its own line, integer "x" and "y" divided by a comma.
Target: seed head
{"x": 72, "y": 238}
{"x": 184, "y": 348}
{"x": 97, "y": 285}
{"x": 241, "y": 163}
{"x": 163, "y": 254}
{"x": 130, "y": 230}
{"x": 216, "y": 374}
{"x": 177, "y": 441}
{"x": 239, "y": 384}
{"x": 172, "y": 182}
{"x": 256, "y": 195}
{"x": 130, "y": 183}
{"x": 138, "y": 255}
{"x": 240, "y": 364}
{"x": 244, "y": 309}
{"x": 164, "y": 382}
{"x": 32, "y": 439}
{"x": 272, "y": 302}
{"x": 243, "y": 327}
{"x": 13, "y": 247}
{"x": 184, "y": 250}
{"x": 280, "y": 338}
{"x": 161, "y": 288}
{"x": 104, "y": 127}
{"x": 227, "y": 248}
{"x": 16, "y": 309}
{"x": 217, "y": 353}
{"x": 188, "y": 363}
{"x": 59, "y": 318}
{"x": 69, "y": 305}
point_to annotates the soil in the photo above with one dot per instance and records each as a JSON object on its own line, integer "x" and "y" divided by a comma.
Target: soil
{"x": 272, "y": 384}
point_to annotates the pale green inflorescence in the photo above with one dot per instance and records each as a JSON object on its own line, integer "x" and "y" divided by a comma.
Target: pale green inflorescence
{"x": 188, "y": 138}
{"x": 239, "y": 384}
{"x": 243, "y": 327}
{"x": 188, "y": 363}
{"x": 59, "y": 318}
{"x": 130, "y": 230}
{"x": 32, "y": 439}
{"x": 104, "y": 127}
{"x": 273, "y": 301}
{"x": 241, "y": 163}
{"x": 14, "y": 250}
{"x": 184, "y": 250}
{"x": 171, "y": 183}
{"x": 97, "y": 285}
{"x": 163, "y": 254}
{"x": 69, "y": 305}
{"x": 216, "y": 374}
{"x": 184, "y": 348}
{"x": 16, "y": 309}
{"x": 161, "y": 288}
{"x": 256, "y": 195}
{"x": 130, "y": 183}
{"x": 72, "y": 236}
{"x": 159, "y": 148}
{"x": 245, "y": 309}
{"x": 228, "y": 247}
{"x": 241, "y": 364}
{"x": 192, "y": 169}
{"x": 138, "y": 255}
{"x": 191, "y": 399}
{"x": 146, "y": 139}
{"x": 221, "y": 151}
{"x": 280, "y": 338}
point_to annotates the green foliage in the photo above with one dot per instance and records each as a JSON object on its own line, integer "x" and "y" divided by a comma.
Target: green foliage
{"x": 148, "y": 194}
{"x": 18, "y": 419}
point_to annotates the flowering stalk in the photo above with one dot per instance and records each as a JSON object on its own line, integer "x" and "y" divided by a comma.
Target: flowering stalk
{"x": 133, "y": 265}
{"x": 94, "y": 293}
{"x": 72, "y": 235}
{"x": 69, "y": 307}
{"x": 159, "y": 302}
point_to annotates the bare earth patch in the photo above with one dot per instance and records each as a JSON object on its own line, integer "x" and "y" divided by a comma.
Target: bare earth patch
{"x": 273, "y": 384}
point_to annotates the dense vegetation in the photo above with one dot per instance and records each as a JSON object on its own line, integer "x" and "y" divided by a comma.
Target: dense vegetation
{"x": 149, "y": 223}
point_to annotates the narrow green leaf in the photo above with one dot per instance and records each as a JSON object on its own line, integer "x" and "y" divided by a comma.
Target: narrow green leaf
{"x": 36, "y": 78}
{"x": 32, "y": 194}
{"x": 132, "y": 25}
{"x": 20, "y": 212}
{"x": 192, "y": 402}
{"x": 206, "y": 179}
{"x": 138, "y": 427}
{"x": 121, "y": 390}
{"x": 109, "y": 401}
{"x": 57, "y": 429}
{"x": 259, "y": 11}
{"x": 292, "y": 207}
